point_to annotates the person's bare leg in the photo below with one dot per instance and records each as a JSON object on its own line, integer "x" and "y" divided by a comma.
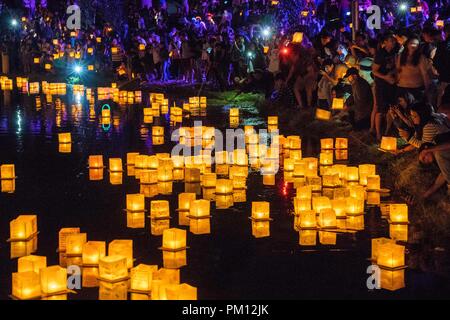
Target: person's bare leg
{"x": 379, "y": 124}
{"x": 372, "y": 129}
{"x": 298, "y": 92}
{"x": 389, "y": 121}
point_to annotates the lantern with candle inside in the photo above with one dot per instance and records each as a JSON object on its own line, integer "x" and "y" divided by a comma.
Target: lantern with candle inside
{"x": 327, "y": 143}
{"x": 355, "y": 206}
{"x": 224, "y": 186}
{"x": 352, "y": 174}
{"x": 113, "y": 268}
{"x": 192, "y": 175}
{"x": 320, "y": 203}
{"x": 340, "y": 207}
{"x": 23, "y": 248}
{"x": 307, "y": 219}
{"x": 373, "y": 183}
{"x": 93, "y": 251}
{"x": 307, "y": 237}
{"x": 327, "y": 218}
{"x": 64, "y": 138}
{"x": 376, "y": 245}
{"x": 364, "y": 171}
{"x": 184, "y": 204}
{"x": 326, "y": 158}
{"x": 388, "y": 144}
{"x": 131, "y": 158}
{"x": 63, "y": 233}
{"x": 322, "y": 114}
{"x": 391, "y": 256}
{"x": 53, "y": 280}
{"x": 24, "y": 227}
{"x": 122, "y": 248}
{"x": 260, "y": 210}
{"x": 96, "y": 162}
{"x": 74, "y": 244}
{"x": 142, "y": 277}
{"x": 398, "y": 213}
{"x": 31, "y": 263}
{"x": 7, "y": 172}
{"x": 115, "y": 165}
{"x": 337, "y": 104}
{"x": 199, "y": 217}
{"x": 135, "y": 202}
{"x": 26, "y": 285}
{"x": 174, "y": 248}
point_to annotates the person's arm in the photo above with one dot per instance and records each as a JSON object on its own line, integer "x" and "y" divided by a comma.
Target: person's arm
{"x": 425, "y": 70}
{"x": 438, "y": 183}
{"x": 386, "y": 77}
{"x": 441, "y": 147}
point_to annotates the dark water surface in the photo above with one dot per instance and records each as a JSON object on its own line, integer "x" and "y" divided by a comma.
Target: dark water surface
{"x": 226, "y": 264}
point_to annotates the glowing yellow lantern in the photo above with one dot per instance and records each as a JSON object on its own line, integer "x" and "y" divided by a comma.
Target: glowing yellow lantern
{"x": 338, "y": 104}
{"x": 53, "y": 279}
{"x": 96, "y": 174}
{"x": 122, "y": 248}
{"x": 181, "y": 292}
{"x": 355, "y": 206}
{"x": 199, "y": 216}
{"x": 113, "y": 290}
{"x": 96, "y": 161}
{"x": 184, "y": 204}
{"x": 74, "y": 243}
{"x": 352, "y": 174}
{"x": 113, "y": 268}
{"x": 326, "y": 158}
{"x": 364, "y": 171}
{"x": 304, "y": 192}
{"x": 115, "y": 165}
{"x": 388, "y": 144}
{"x": 23, "y": 227}
{"x": 93, "y": 251}
{"x": 297, "y": 37}
{"x": 307, "y": 237}
{"x": 36, "y": 60}
{"x": 321, "y": 203}
{"x": 341, "y": 143}
{"x": 31, "y": 263}
{"x": 260, "y": 210}
{"x": 65, "y": 148}
{"x": 398, "y": 213}
{"x": 376, "y": 245}
{"x": 26, "y": 285}
{"x": 322, "y": 114}
{"x": 340, "y": 207}
{"x": 7, "y": 172}
{"x": 63, "y": 233}
{"x": 174, "y": 248}
{"x": 373, "y": 182}
{"x": 142, "y": 277}
{"x": 224, "y": 186}
{"x": 440, "y": 23}
{"x": 327, "y": 218}
{"x": 326, "y": 144}
{"x": 391, "y": 256}
{"x": 65, "y": 138}
{"x": 192, "y": 175}
{"x": 392, "y": 279}
{"x": 307, "y": 219}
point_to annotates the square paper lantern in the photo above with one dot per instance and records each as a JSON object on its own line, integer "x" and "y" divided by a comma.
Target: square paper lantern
{"x": 373, "y": 182}
{"x": 122, "y": 248}
{"x": 53, "y": 279}
{"x": 31, "y": 263}
{"x": 260, "y": 210}
{"x": 199, "y": 216}
{"x": 184, "y": 204}
{"x": 388, "y": 144}
{"x": 322, "y": 114}
{"x": 181, "y": 292}
{"x": 308, "y": 219}
{"x": 327, "y": 143}
{"x": 209, "y": 180}
{"x": 352, "y": 174}
{"x": 8, "y": 186}
{"x": 159, "y": 209}
{"x": 192, "y": 175}
{"x": 174, "y": 248}
{"x": 74, "y": 243}
{"x": 320, "y": 203}
{"x": 364, "y": 171}
{"x": 327, "y": 218}
{"x": 307, "y": 237}
{"x": 23, "y": 227}
{"x": 115, "y": 165}
{"x": 26, "y": 285}
{"x": 326, "y": 158}
{"x": 142, "y": 277}
{"x": 96, "y": 162}
{"x": 341, "y": 143}
{"x": 391, "y": 256}
{"x": 7, "y": 171}
{"x": 337, "y": 104}
{"x": 63, "y": 233}
{"x": 131, "y": 158}
{"x": 135, "y": 202}
{"x": 224, "y": 186}
{"x": 340, "y": 207}
{"x": 234, "y": 112}
{"x": 376, "y": 243}
{"x": 113, "y": 268}
{"x": 65, "y": 138}
{"x": 93, "y": 251}
{"x": 304, "y": 192}
{"x": 398, "y": 213}
{"x": 301, "y": 205}
{"x": 355, "y": 206}
{"x": 157, "y": 131}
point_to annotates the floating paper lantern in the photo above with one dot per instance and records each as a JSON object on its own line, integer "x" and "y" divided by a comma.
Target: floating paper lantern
{"x": 7, "y": 171}
{"x": 321, "y": 203}
{"x": 209, "y": 180}
{"x": 376, "y": 245}
{"x": 307, "y": 219}
{"x": 294, "y": 142}
{"x": 224, "y": 186}
{"x": 142, "y": 277}
{"x": 174, "y": 248}
{"x": 74, "y": 243}
{"x": 398, "y": 213}
{"x": 341, "y": 143}
{"x": 307, "y": 237}
{"x": 122, "y": 248}
{"x": 93, "y": 251}
{"x": 398, "y": 232}
{"x": 63, "y": 233}
{"x": 391, "y": 256}
{"x": 23, "y": 227}
{"x": 65, "y": 138}
{"x": 327, "y": 143}
{"x": 181, "y": 292}
{"x": 297, "y": 37}
{"x": 373, "y": 182}
{"x": 326, "y": 158}
{"x": 184, "y": 204}
{"x": 23, "y": 248}
{"x": 165, "y": 175}
{"x": 113, "y": 268}
{"x": 352, "y": 174}
{"x": 355, "y": 206}
{"x": 26, "y": 285}
{"x": 53, "y": 279}
{"x": 340, "y": 207}
{"x": 260, "y": 210}
{"x": 327, "y": 218}
{"x": 301, "y": 205}
{"x": 31, "y": 263}
{"x": 337, "y": 104}
{"x": 388, "y": 144}
{"x": 159, "y": 209}
{"x": 304, "y": 192}
{"x": 192, "y": 175}
{"x": 96, "y": 162}
{"x": 364, "y": 171}
{"x": 199, "y": 216}
{"x": 322, "y": 114}
{"x": 115, "y": 165}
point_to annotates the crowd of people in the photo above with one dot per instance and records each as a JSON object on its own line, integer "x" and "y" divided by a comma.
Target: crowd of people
{"x": 394, "y": 80}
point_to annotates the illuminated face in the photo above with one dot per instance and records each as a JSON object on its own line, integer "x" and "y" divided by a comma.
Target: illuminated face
{"x": 428, "y": 158}
{"x": 415, "y": 117}
{"x": 413, "y": 45}
{"x": 402, "y": 102}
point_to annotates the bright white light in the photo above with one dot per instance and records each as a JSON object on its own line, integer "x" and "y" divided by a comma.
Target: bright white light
{"x": 77, "y": 69}
{"x": 403, "y": 6}
{"x": 348, "y": 13}
{"x": 14, "y": 22}
{"x": 266, "y": 32}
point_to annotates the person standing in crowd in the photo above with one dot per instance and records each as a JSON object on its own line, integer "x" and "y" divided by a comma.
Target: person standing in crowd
{"x": 442, "y": 63}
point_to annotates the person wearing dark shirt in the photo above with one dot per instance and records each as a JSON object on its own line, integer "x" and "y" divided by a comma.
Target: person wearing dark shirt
{"x": 442, "y": 63}
{"x": 383, "y": 69}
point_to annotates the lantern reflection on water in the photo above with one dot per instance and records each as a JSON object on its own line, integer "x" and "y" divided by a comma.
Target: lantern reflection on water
{"x": 199, "y": 217}
{"x": 26, "y": 285}
{"x": 307, "y": 237}
{"x": 93, "y": 251}
{"x": 142, "y": 277}
{"x": 7, "y": 172}
{"x": 327, "y": 238}
{"x": 135, "y": 220}
{"x": 364, "y": 171}
{"x": 398, "y": 232}
{"x": 123, "y": 248}
{"x": 392, "y": 279}
{"x": 174, "y": 248}
{"x": 320, "y": 203}
{"x": 115, "y": 165}
{"x": 307, "y": 219}
{"x": 115, "y": 178}
{"x": 340, "y": 207}
{"x": 355, "y": 206}
{"x": 373, "y": 183}
{"x": 53, "y": 279}
{"x": 8, "y": 186}
{"x": 113, "y": 291}
{"x": 96, "y": 162}
{"x": 90, "y": 277}
{"x": 23, "y": 248}
{"x": 112, "y": 268}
